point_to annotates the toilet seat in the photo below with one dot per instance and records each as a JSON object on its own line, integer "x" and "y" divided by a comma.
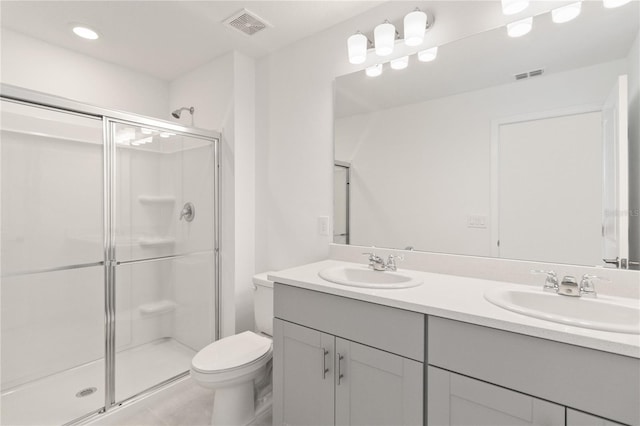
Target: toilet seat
{"x": 233, "y": 353}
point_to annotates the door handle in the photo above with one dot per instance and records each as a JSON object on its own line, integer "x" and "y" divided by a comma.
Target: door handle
{"x": 340, "y": 375}
{"x": 325, "y": 370}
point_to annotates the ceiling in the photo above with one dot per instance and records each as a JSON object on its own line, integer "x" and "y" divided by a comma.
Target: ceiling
{"x": 166, "y": 39}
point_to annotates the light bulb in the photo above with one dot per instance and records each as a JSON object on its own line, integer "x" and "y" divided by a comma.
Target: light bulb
{"x": 357, "y": 48}
{"x": 384, "y": 38}
{"x": 399, "y": 63}
{"x": 566, "y": 13}
{"x": 610, "y": 4}
{"x": 428, "y": 54}
{"x": 520, "y": 28}
{"x": 511, "y": 7}
{"x": 374, "y": 70}
{"x": 415, "y": 24}
{"x": 85, "y": 32}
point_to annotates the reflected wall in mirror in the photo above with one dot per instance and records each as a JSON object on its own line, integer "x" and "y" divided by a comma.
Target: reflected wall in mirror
{"x": 460, "y": 156}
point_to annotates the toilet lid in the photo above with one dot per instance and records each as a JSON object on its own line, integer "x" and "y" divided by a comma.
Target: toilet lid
{"x": 231, "y": 352}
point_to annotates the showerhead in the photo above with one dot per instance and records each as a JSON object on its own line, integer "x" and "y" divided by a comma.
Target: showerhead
{"x": 178, "y": 112}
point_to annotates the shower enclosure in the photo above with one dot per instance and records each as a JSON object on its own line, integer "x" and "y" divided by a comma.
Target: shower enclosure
{"x": 109, "y": 255}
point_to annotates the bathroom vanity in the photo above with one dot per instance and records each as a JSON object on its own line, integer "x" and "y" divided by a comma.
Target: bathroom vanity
{"x": 439, "y": 354}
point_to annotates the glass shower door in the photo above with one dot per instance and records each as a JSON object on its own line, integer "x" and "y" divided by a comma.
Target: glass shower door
{"x": 164, "y": 251}
{"x": 52, "y": 286}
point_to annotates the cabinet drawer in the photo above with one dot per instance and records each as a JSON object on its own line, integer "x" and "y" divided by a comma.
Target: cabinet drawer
{"x": 601, "y": 383}
{"x": 390, "y": 329}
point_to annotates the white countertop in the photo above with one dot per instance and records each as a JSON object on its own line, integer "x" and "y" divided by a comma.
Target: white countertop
{"x": 461, "y": 299}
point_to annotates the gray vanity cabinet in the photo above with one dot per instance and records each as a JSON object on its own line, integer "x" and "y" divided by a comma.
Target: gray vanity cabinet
{"x": 342, "y": 361}
{"x": 478, "y": 368}
{"x": 457, "y": 400}
{"x": 577, "y": 418}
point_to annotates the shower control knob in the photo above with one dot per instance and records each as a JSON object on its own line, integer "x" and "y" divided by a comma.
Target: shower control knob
{"x": 188, "y": 212}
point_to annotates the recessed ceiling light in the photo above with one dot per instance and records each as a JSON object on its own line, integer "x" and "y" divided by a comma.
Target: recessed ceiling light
{"x": 85, "y": 32}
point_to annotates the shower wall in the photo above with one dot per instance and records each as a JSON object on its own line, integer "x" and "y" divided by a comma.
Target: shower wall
{"x": 170, "y": 298}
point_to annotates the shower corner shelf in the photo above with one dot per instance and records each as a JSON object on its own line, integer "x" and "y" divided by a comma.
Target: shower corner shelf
{"x": 157, "y": 308}
{"x": 156, "y": 199}
{"x": 156, "y": 241}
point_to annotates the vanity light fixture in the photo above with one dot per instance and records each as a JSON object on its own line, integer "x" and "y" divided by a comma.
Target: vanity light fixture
{"x": 415, "y": 25}
{"x": 610, "y": 4}
{"x": 384, "y": 38}
{"x": 520, "y": 28}
{"x": 85, "y": 32}
{"x": 357, "y": 46}
{"x": 374, "y": 70}
{"x": 428, "y": 55}
{"x": 511, "y": 7}
{"x": 399, "y": 63}
{"x": 566, "y": 13}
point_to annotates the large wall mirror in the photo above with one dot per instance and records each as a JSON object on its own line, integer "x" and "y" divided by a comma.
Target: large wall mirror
{"x": 503, "y": 147}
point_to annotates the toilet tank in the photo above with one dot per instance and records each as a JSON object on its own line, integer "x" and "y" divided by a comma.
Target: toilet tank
{"x": 263, "y": 303}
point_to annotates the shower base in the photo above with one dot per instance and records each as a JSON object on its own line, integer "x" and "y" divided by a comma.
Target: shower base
{"x": 68, "y": 395}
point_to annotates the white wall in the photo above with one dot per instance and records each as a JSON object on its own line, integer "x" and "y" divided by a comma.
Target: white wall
{"x": 36, "y": 65}
{"x": 435, "y": 156}
{"x": 223, "y": 95}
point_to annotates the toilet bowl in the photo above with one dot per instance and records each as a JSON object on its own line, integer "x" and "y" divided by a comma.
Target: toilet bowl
{"x": 238, "y": 367}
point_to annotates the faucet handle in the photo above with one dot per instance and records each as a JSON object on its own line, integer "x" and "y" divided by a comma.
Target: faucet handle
{"x": 587, "y": 288}
{"x": 551, "y": 283}
{"x": 391, "y": 262}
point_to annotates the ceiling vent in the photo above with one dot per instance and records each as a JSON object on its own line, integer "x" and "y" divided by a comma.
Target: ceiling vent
{"x": 529, "y": 74}
{"x": 246, "y": 22}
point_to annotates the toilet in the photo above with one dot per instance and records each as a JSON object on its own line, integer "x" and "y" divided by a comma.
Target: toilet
{"x": 238, "y": 367}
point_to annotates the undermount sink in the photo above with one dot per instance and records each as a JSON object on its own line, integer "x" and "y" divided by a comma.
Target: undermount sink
{"x": 362, "y": 276}
{"x": 603, "y": 313}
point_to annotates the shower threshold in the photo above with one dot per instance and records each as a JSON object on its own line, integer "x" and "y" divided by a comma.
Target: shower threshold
{"x": 70, "y": 394}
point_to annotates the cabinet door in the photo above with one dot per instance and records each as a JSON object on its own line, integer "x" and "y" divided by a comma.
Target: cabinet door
{"x": 303, "y": 389}
{"x": 374, "y": 387}
{"x": 578, "y": 418}
{"x": 458, "y": 400}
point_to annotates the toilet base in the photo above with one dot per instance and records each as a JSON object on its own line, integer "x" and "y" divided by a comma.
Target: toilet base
{"x": 233, "y": 405}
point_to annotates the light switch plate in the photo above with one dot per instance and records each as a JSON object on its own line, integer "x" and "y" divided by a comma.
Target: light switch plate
{"x": 477, "y": 221}
{"x": 323, "y": 226}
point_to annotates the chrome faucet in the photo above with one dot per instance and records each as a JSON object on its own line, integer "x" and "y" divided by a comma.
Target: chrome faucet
{"x": 378, "y": 264}
{"x": 569, "y": 285}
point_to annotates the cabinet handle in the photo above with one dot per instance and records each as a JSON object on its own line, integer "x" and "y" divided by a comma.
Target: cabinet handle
{"x": 325, "y": 370}
{"x": 340, "y": 375}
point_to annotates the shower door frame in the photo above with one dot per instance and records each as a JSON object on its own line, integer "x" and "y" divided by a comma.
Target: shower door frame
{"x": 109, "y": 118}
